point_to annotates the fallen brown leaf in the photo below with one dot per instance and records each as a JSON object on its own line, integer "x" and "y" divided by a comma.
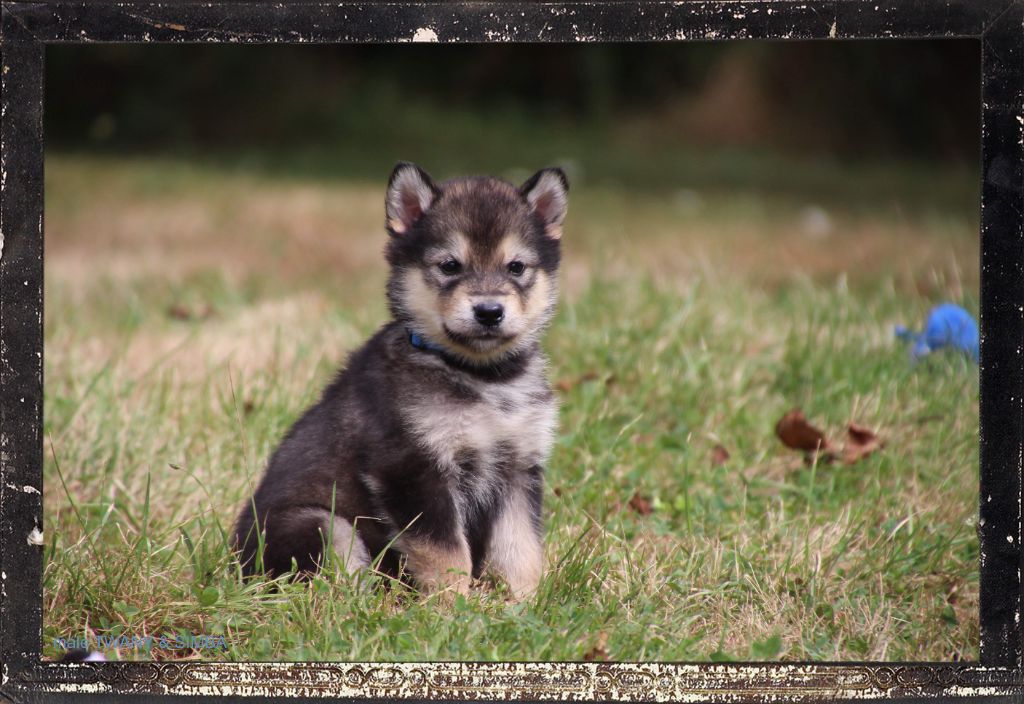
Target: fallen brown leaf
{"x": 795, "y": 432}
{"x": 180, "y": 311}
{"x": 567, "y": 384}
{"x": 600, "y": 650}
{"x": 719, "y": 455}
{"x": 860, "y": 442}
{"x": 641, "y": 504}
{"x": 642, "y": 439}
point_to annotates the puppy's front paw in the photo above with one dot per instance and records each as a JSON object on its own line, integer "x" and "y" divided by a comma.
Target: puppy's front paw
{"x": 438, "y": 568}
{"x": 447, "y": 592}
{"x": 516, "y": 551}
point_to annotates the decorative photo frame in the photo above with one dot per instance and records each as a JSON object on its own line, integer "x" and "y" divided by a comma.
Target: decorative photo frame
{"x": 27, "y": 28}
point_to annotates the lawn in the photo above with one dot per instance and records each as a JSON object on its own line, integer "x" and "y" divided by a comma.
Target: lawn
{"x": 196, "y": 305}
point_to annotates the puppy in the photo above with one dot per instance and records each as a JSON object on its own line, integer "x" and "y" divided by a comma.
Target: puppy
{"x": 425, "y": 456}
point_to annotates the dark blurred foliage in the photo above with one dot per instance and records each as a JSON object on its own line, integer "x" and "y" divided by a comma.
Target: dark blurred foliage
{"x": 882, "y": 98}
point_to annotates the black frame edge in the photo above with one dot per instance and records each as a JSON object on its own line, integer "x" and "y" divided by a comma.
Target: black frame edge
{"x": 21, "y": 362}
{"x": 494, "y": 20}
{"x": 1002, "y": 361}
{"x": 25, "y": 27}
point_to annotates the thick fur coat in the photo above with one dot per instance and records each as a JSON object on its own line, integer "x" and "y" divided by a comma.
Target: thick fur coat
{"x": 428, "y": 449}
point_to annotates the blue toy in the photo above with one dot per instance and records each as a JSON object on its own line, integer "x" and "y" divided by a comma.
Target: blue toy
{"x": 948, "y": 325}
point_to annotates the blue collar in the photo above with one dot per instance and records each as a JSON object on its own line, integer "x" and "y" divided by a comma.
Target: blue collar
{"x": 421, "y": 343}
{"x": 505, "y": 369}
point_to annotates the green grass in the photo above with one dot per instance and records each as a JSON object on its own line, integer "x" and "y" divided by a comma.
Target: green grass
{"x": 680, "y": 329}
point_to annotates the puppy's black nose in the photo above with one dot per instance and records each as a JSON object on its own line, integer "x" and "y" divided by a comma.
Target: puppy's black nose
{"x": 489, "y": 314}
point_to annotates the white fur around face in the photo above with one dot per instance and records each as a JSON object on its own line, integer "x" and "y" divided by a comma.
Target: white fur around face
{"x": 419, "y": 302}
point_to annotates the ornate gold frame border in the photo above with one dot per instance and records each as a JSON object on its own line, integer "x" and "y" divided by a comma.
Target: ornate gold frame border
{"x": 531, "y": 681}
{"x": 26, "y": 28}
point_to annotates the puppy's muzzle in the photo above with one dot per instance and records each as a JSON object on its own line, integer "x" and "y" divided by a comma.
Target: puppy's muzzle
{"x": 489, "y": 314}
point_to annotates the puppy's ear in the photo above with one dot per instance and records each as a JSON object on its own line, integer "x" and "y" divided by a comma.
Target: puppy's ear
{"x": 411, "y": 192}
{"x": 547, "y": 192}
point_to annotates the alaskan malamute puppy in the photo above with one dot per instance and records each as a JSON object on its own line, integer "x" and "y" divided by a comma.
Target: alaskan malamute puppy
{"x": 434, "y": 437}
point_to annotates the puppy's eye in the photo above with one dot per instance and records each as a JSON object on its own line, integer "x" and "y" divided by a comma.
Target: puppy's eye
{"x": 449, "y": 267}
{"x": 516, "y": 268}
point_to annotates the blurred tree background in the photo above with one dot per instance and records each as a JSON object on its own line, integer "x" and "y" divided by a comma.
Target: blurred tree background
{"x": 845, "y": 101}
